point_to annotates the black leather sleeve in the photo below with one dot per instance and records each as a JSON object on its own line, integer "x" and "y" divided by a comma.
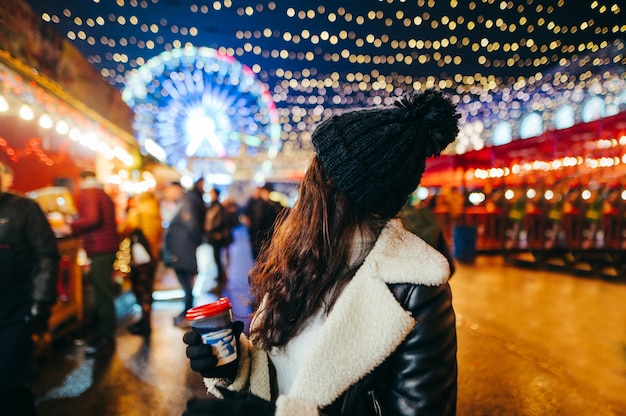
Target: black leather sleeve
{"x": 46, "y": 255}
{"x": 420, "y": 377}
{"x": 422, "y": 373}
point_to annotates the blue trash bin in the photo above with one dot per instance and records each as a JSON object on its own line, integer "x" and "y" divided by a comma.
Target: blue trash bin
{"x": 464, "y": 240}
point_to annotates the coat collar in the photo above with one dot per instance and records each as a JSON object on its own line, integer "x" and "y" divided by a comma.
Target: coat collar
{"x": 399, "y": 256}
{"x": 367, "y": 323}
{"x": 90, "y": 182}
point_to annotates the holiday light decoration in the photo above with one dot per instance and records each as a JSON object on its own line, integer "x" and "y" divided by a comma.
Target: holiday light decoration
{"x": 31, "y": 102}
{"x": 195, "y": 103}
{"x": 501, "y": 60}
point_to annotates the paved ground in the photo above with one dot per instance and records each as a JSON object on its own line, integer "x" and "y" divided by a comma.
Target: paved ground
{"x": 530, "y": 343}
{"x": 539, "y": 343}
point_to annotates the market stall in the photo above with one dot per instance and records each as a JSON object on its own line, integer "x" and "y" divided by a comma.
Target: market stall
{"x": 554, "y": 199}
{"x": 46, "y": 139}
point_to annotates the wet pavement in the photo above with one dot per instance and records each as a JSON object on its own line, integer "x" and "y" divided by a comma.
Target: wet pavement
{"x": 146, "y": 376}
{"x": 539, "y": 343}
{"x": 530, "y": 343}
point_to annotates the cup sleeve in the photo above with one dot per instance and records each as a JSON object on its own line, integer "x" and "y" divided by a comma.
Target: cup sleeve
{"x": 242, "y": 378}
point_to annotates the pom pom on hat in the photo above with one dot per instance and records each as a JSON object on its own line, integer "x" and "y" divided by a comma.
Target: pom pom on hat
{"x": 377, "y": 156}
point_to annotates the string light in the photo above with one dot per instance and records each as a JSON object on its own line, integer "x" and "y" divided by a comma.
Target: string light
{"x": 47, "y": 109}
{"x": 335, "y": 57}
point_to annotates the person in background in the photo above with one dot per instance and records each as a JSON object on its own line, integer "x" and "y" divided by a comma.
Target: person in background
{"x": 259, "y": 215}
{"x": 218, "y": 231}
{"x": 29, "y": 260}
{"x": 97, "y": 227}
{"x": 172, "y": 197}
{"x": 423, "y": 222}
{"x": 169, "y": 206}
{"x": 143, "y": 226}
{"x": 182, "y": 239}
{"x": 6, "y": 178}
{"x": 455, "y": 200}
{"x": 232, "y": 221}
{"x": 355, "y": 313}
{"x": 249, "y": 218}
{"x": 238, "y": 288}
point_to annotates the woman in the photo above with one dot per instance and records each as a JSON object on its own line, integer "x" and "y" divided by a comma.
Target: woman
{"x": 143, "y": 225}
{"x": 182, "y": 239}
{"x": 355, "y": 315}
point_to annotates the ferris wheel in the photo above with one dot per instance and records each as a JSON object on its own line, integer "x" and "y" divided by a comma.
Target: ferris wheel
{"x": 195, "y": 103}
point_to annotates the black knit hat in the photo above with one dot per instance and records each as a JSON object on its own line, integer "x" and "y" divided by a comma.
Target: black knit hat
{"x": 377, "y": 156}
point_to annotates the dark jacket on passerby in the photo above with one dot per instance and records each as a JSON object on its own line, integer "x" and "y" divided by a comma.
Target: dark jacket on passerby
{"x": 261, "y": 215}
{"x": 218, "y": 225}
{"x": 29, "y": 261}
{"x": 184, "y": 234}
{"x": 96, "y": 220}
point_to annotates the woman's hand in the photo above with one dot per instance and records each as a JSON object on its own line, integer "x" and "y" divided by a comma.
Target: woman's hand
{"x": 203, "y": 360}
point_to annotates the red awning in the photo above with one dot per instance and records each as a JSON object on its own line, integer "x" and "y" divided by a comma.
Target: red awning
{"x": 574, "y": 141}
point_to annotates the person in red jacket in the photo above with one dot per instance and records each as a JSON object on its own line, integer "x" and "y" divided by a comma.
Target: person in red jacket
{"x": 97, "y": 226}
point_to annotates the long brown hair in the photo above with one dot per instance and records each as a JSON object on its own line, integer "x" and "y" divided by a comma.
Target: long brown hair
{"x": 308, "y": 257}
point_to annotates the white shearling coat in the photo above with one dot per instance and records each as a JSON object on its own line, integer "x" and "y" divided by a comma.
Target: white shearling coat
{"x": 365, "y": 326}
